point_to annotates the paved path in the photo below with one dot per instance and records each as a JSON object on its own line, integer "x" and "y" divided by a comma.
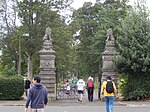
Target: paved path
{"x": 72, "y": 101}
{"x": 77, "y": 109}
{"x": 71, "y": 105}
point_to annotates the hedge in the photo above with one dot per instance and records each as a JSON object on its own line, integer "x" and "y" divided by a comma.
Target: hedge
{"x": 11, "y": 88}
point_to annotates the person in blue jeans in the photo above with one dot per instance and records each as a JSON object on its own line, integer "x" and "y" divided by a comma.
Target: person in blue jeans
{"x": 109, "y": 90}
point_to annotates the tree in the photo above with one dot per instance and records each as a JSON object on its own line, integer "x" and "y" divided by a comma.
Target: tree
{"x": 85, "y": 19}
{"x": 134, "y": 59}
{"x": 35, "y": 17}
{"x": 8, "y": 17}
{"x": 93, "y": 23}
{"x": 7, "y": 29}
{"x": 111, "y": 15}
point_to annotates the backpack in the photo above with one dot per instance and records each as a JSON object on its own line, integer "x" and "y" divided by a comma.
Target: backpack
{"x": 90, "y": 83}
{"x": 109, "y": 87}
{"x": 27, "y": 84}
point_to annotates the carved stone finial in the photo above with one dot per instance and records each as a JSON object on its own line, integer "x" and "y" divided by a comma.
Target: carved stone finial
{"x": 109, "y": 34}
{"x": 47, "y": 35}
{"x": 47, "y": 40}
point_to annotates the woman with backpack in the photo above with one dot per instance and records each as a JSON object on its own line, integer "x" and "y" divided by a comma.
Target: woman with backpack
{"x": 90, "y": 89}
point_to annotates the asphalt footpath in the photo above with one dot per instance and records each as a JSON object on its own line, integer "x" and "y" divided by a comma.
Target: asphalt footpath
{"x": 65, "y": 101}
{"x": 73, "y": 102}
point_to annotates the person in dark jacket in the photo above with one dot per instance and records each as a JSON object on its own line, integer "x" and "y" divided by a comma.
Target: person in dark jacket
{"x": 27, "y": 86}
{"x": 99, "y": 88}
{"x": 38, "y": 96}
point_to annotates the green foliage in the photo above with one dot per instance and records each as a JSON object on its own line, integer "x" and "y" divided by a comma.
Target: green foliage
{"x": 134, "y": 58}
{"x": 93, "y": 22}
{"x": 133, "y": 88}
{"x": 45, "y": 17}
{"x": 35, "y": 17}
{"x": 86, "y": 20}
{"x": 62, "y": 45}
{"x": 9, "y": 71}
{"x": 133, "y": 44}
{"x": 11, "y": 88}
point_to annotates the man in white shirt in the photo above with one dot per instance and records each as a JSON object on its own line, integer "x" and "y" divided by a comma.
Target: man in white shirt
{"x": 80, "y": 87}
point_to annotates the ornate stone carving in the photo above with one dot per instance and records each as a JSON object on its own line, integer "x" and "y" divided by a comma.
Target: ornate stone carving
{"x": 47, "y": 64}
{"x": 109, "y": 35}
{"x": 108, "y": 67}
{"x": 47, "y": 35}
{"x": 47, "y": 40}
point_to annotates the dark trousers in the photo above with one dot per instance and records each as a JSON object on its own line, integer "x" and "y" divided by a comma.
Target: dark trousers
{"x": 90, "y": 93}
{"x": 99, "y": 90}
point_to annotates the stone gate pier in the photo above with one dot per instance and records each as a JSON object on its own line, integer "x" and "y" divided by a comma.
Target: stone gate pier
{"x": 47, "y": 64}
{"x": 108, "y": 67}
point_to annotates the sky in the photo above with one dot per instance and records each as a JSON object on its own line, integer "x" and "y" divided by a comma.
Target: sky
{"x": 147, "y": 2}
{"x": 79, "y": 3}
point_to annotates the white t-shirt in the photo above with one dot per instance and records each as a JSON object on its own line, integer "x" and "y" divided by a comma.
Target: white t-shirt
{"x": 81, "y": 85}
{"x": 68, "y": 87}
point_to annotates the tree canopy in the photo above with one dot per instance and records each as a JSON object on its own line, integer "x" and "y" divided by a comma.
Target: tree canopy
{"x": 134, "y": 59}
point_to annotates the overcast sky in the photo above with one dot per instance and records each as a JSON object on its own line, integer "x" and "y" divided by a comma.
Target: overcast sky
{"x": 79, "y": 3}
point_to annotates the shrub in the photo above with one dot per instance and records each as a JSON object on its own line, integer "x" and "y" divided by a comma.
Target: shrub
{"x": 11, "y": 88}
{"x": 133, "y": 88}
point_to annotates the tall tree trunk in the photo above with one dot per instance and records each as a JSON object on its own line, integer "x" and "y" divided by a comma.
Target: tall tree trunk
{"x": 30, "y": 67}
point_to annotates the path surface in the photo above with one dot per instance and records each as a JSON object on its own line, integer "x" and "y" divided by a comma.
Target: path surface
{"x": 79, "y": 108}
{"x": 71, "y": 105}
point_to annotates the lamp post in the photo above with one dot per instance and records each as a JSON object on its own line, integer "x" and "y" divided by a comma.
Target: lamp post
{"x": 20, "y": 59}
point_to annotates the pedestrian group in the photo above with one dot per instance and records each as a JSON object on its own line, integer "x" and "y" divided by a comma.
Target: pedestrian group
{"x": 37, "y": 94}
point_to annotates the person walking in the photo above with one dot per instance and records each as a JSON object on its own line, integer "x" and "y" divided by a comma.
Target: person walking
{"x": 80, "y": 87}
{"x": 67, "y": 86}
{"x": 109, "y": 89}
{"x": 99, "y": 88}
{"x": 27, "y": 85}
{"x": 90, "y": 89}
{"x": 74, "y": 82}
{"x": 38, "y": 96}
